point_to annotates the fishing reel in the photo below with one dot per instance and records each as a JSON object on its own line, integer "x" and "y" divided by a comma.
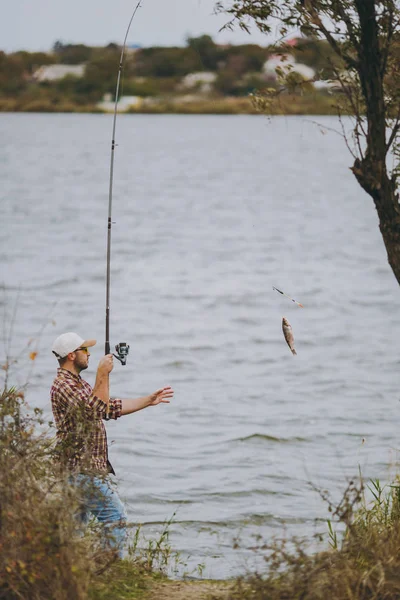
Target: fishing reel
{"x": 122, "y": 350}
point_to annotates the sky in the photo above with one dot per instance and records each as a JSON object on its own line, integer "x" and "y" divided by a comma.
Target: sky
{"x": 34, "y": 25}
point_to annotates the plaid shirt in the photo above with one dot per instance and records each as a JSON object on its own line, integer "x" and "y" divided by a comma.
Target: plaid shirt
{"x": 79, "y": 414}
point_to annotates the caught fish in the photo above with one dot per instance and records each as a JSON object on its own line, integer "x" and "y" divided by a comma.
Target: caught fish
{"x": 288, "y": 333}
{"x": 292, "y": 299}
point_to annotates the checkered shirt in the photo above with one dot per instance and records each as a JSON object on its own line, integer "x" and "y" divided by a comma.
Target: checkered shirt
{"x": 79, "y": 414}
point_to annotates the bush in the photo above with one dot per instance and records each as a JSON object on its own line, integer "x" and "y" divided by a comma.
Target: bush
{"x": 41, "y": 554}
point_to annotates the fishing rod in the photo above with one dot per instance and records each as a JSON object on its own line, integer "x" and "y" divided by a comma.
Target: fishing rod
{"x": 122, "y": 349}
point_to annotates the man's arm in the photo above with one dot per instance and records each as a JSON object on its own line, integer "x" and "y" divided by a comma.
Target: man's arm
{"x": 130, "y": 405}
{"x": 101, "y": 386}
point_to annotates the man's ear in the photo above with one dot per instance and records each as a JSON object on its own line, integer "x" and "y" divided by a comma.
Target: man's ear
{"x": 71, "y": 356}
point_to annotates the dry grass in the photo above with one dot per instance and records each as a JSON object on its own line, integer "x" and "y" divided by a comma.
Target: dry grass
{"x": 285, "y": 104}
{"x": 366, "y": 566}
{"x": 42, "y": 556}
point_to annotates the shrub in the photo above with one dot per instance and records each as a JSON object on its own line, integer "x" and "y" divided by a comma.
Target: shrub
{"x": 41, "y": 553}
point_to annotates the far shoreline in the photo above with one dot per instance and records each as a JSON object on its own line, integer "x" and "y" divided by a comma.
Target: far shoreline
{"x": 285, "y": 105}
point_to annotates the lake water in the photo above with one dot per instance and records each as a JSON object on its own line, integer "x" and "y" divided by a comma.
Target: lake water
{"x": 210, "y": 212}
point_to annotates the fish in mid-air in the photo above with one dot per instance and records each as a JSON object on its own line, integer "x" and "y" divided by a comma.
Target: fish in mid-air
{"x": 288, "y": 333}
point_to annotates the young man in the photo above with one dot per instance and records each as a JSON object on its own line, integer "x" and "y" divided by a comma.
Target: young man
{"x": 79, "y": 411}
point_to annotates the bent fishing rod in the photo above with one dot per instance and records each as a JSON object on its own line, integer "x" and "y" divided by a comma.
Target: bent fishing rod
{"x": 122, "y": 348}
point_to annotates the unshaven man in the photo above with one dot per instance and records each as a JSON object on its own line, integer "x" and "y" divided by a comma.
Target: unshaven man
{"x": 79, "y": 411}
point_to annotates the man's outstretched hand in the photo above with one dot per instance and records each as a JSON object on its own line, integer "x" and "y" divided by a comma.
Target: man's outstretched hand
{"x": 161, "y": 395}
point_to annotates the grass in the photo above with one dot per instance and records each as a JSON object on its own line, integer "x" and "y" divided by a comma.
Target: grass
{"x": 123, "y": 580}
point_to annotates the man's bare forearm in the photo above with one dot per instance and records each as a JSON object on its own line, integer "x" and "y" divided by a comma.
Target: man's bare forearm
{"x": 131, "y": 405}
{"x": 101, "y": 386}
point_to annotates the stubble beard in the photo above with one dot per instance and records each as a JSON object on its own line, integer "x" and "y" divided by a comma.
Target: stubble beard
{"x": 80, "y": 365}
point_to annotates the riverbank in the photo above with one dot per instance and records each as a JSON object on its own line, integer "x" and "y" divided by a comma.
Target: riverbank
{"x": 124, "y": 581}
{"x": 285, "y": 104}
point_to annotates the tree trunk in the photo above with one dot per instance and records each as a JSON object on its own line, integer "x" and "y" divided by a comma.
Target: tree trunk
{"x": 375, "y": 181}
{"x": 371, "y": 171}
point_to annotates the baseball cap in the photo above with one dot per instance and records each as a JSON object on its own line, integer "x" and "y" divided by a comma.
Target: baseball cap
{"x": 68, "y": 342}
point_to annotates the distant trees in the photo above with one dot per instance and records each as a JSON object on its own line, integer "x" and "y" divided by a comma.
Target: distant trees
{"x": 155, "y": 71}
{"x": 238, "y": 66}
{"x": 247, "y": 57}
{"x": 201, "y": 54}
{"x": 33, "y": 60}
{"x": 100, "y": 73}
{"x": 166, "y": 62}
{"x": 12, "y": 70}
{"x": 208, "y": 52}
{"x": 71, "y": 54}
{"x": 319, "y": 55}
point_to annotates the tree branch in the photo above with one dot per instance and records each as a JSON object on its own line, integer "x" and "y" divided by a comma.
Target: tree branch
{"x": 395, "y": 131}
{"x": 389, "y": 37}
{"x": 350, "y": 28}
{"x": 317, "y": 22}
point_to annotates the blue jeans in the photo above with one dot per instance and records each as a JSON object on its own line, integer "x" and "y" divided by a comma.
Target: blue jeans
{"x": 100, "y": 498}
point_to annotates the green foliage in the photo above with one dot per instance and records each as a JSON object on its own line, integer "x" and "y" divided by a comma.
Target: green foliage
{"x": 33, "y": 60}
{"x": 333, "y": 538}
{"x": 382, "y": 513}
{"x": 166, "y": 62}
{"x": 100, "y": 74}
{"x": 12, "y": 71}
{"x": 122, "y": 581}
{"x": 75, "y": 90}
{"x": 208, "y": 52}
{"x": 71, "y": 54}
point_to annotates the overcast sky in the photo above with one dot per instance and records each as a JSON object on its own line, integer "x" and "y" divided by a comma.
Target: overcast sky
{"x": 36, "y": 24}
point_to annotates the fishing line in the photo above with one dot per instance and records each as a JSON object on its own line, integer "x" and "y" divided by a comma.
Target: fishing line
{"x": 122, "y": 348}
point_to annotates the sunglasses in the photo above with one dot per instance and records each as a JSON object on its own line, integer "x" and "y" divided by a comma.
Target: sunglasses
{"x": 85, "y": 350}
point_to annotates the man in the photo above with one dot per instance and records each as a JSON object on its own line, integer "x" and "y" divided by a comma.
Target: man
{"x": 79, "y": 411}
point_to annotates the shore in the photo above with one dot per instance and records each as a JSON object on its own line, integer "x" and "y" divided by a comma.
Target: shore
{"x": 189, "y": 590}
{"x": 307, "y": 104}
{"x": 126, "y": 580}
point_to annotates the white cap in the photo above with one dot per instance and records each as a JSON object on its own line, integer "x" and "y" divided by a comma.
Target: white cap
{"x": 69, "y": 342}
